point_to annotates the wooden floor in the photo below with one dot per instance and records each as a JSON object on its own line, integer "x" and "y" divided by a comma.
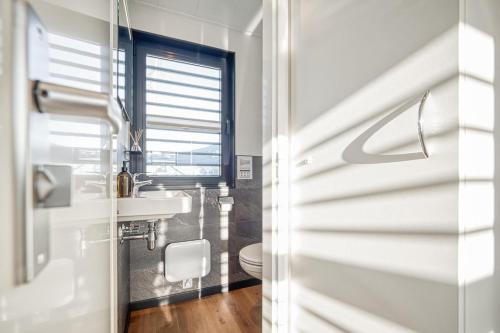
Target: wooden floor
{"x": 236, "y": 311}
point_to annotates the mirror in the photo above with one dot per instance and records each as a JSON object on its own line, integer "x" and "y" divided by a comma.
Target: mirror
{"x": 122, "y": 40}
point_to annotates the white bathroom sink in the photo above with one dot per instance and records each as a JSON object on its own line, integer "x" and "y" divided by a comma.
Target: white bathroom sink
{"x": 152, "y": 205}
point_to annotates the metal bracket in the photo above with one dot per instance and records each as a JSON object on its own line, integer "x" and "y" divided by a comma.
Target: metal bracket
{"x": 226, "y": 204}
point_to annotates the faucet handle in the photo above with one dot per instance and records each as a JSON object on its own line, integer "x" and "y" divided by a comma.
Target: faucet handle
{"x": 135, "y": 175}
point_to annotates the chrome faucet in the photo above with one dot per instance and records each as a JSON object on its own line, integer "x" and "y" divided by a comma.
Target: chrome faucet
{"x": 136, "y": 185}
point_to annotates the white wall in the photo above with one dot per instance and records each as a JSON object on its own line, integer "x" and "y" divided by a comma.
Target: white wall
{"x": 479, "y": 160}
{"x": 248, "y": 51}
{"x": 384, "y": 240}
{"x": 92, "y": 8}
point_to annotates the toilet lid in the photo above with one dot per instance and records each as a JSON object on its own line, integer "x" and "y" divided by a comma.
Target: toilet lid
{"x": 252, "y": 254}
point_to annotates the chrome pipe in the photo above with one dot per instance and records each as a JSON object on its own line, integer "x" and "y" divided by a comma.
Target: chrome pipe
{"x": 126, "y": 234}
{"x": 151, "y": 236}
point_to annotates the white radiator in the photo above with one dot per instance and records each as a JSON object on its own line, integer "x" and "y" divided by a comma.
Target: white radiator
{"x": 187, "y": 260}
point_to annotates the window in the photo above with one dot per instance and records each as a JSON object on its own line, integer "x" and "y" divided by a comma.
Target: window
{"x": 184, "y": 104}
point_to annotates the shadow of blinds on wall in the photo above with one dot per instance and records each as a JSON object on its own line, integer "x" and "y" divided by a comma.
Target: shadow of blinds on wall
{"x": 79, "y": 64}
{"x": 183, "y": 118}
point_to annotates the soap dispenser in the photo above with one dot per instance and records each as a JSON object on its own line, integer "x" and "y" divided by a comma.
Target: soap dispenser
{"x": 124, "y": 182}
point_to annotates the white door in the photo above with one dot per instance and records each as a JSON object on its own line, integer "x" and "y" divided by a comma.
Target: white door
{"x": 64, "y": 283}
{"x": 374, "y": 223}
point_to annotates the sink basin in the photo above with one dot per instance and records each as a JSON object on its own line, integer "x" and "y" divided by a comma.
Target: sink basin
{"x": 153, "y": 205}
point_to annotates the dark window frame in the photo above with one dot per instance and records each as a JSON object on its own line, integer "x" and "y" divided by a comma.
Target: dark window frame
{"x": 144, "y": 44}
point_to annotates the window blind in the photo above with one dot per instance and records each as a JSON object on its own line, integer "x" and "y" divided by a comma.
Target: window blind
{"x": 183, "y": 118}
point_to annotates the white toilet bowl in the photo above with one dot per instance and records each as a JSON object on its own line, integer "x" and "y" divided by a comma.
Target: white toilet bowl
{"x": 251, "y": 260}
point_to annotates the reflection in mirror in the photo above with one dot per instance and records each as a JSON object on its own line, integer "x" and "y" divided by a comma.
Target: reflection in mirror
{"x": 127, "y": 20}
{"x": 121, "y": 23}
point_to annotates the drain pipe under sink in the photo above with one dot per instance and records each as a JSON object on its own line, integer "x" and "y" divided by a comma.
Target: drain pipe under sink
{"x": 130, "y": 233}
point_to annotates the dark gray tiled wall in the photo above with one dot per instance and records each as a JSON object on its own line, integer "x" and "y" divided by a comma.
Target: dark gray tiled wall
{"x": 244, "y": 227}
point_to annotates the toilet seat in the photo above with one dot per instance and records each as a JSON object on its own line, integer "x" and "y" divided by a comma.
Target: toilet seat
{"x": 252, "y": 254}
{"x": 251, "y": 260}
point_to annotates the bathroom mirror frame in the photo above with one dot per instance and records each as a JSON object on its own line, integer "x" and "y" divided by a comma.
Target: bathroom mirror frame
{"x": 122, "y": 41}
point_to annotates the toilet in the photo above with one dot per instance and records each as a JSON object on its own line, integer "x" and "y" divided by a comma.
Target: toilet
{"x": 251, "y": 260}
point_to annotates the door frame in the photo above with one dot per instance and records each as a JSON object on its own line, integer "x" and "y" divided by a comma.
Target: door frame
{"x": 276, "y": 165}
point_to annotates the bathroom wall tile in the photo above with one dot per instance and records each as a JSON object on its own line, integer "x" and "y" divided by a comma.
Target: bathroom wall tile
{"x": 146, "y": 284}
{"x": 251, "y": 229}
{"x": 236, "y": 273}
{"x": 141, "y": 257}
{"x": 247, "y": 203}
{"x": 236, "y": 243}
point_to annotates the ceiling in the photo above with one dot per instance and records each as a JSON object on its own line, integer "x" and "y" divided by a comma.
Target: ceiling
{"x": 241, "y": 15}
